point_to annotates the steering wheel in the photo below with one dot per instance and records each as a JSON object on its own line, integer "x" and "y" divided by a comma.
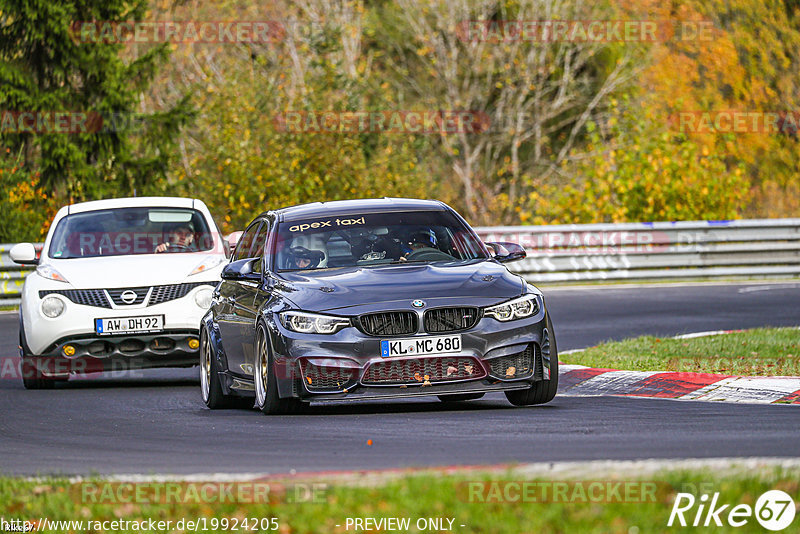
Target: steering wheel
{"x": 429, "y": 254}
{"x": 176, "y": 248}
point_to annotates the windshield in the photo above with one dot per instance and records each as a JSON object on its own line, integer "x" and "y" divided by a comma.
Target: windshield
{"x": 129, "y": 231}
{"x": 373, "y": 239}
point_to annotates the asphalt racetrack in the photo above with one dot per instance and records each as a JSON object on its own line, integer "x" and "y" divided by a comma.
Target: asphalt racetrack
{"x": 157, "y": 423}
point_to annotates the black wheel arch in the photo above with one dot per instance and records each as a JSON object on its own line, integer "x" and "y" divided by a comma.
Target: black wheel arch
{"x": 24, "y": 349}
{"x": 209, "y": 326}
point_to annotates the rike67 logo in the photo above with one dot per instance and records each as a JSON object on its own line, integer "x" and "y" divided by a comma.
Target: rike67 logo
{"x": 774, "y": 510}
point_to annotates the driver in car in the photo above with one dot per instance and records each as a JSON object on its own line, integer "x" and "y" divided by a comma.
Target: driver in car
{"x": 303, "y": 258}
{"x": 179, "y": 239}
{"x": 424, "y": 239}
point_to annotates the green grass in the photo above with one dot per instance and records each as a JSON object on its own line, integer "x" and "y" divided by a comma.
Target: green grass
{"x": 758, "y": 352}
{"x": 428, "y": 496}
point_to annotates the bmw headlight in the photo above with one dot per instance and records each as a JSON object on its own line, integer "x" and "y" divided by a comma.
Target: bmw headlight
{"x": 518, "y": 308}
{"x": 203, "y": 298}
{"x": 312, "y": 323}
{"x": 52, "y": 307}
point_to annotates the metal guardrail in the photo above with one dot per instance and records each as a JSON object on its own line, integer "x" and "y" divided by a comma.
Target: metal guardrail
{"x": 625, "y": 251}
{"x": 12, "y": 276}
{"x": 655, "y": 251}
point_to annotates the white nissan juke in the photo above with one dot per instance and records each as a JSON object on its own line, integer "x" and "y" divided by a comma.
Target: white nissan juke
{"x": 121, "y": 284}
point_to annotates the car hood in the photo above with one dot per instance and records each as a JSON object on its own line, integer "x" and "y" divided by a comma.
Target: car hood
{"x": 133, "y": 271}
{"x": 479, "y": 283}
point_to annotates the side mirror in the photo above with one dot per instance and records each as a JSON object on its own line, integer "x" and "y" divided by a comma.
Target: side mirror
{"x": 506, "y": 252}
{"x": 241, "y": 270}
{"x": 24, "y": 254}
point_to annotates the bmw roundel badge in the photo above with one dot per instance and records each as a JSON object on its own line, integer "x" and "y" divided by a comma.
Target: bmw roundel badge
{"x": 418, "y": 303}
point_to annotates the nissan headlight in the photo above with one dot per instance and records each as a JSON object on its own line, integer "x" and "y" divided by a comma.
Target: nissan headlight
{"x": 518, "y": 308}
{"x": 312, "y": 323}
{"x": 52, "y": 307}
{"x": 203, "y": 297}
{"x": 208, "y": 263}
{"x": 46, "y": 271}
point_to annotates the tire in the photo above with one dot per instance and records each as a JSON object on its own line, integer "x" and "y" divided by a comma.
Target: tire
{"x": 543, "y": 391}
{"x": 265, "y": 381}
{"x": 460, "y": 397}
{"x": 32, "y": 376}
{"x": 210, "y": 386}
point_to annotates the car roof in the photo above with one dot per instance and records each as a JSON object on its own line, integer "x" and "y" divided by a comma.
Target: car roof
{"x": 133, "y": 202}
{"x": 353, "y": 207}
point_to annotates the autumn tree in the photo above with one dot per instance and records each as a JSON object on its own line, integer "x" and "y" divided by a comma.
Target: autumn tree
{"x": 240, "y": 159}
{"x": 538, "y": 93}
{"x": 45, "y": 67}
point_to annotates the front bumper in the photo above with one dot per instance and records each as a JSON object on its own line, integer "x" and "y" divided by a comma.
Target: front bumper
{"x": 44, "y": 335}
{"x": 88, "y": 353}
{"x": 342, "y": 366}
{"x": 370, "y": 393}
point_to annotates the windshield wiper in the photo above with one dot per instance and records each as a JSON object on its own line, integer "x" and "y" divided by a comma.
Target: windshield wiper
{"x": 397, "y": 262}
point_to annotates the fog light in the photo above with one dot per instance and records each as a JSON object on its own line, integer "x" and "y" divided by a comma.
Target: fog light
{"x": 193, "y": 343}
{"x": 52, "y": 307}
{"x": 69, "y": 350}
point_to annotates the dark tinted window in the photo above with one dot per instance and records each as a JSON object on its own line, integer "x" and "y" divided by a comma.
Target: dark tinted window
{"x": 257, "y": 251}
{"x": 374, "y": 238}
{"x": 245, "y": 243}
